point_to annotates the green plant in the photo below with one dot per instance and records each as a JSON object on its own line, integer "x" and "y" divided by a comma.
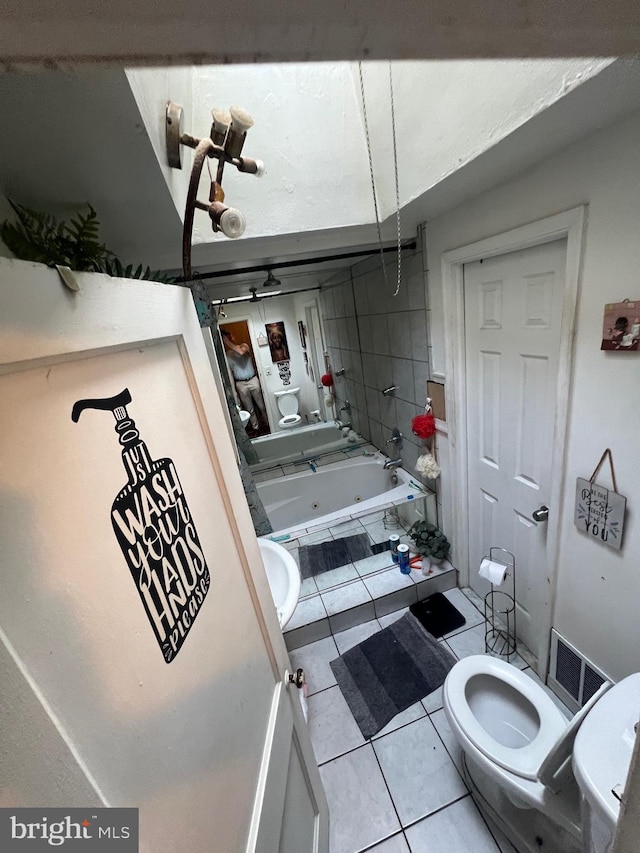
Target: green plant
{"x": 75, "y": 243}
{"x": 429, "y": 540}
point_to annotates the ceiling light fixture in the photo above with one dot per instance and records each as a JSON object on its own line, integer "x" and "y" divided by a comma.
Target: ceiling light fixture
{"x": 271, "y": 281}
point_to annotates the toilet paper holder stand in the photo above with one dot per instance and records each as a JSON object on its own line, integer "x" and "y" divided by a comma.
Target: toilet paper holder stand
{"x": 500, "y": 609}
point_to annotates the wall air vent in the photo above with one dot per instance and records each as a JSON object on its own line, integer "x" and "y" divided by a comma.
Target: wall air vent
{"x": 572, "y": 677}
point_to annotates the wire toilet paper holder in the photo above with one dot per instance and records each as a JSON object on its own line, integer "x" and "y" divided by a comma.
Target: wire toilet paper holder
{"x": 500, "y": 609}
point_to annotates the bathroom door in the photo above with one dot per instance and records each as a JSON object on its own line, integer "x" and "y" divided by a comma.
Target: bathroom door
{"x": 142, "y": 661}
{"x": 513, "y": 313}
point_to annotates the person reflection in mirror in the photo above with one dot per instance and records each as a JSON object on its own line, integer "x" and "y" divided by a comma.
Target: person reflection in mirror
{"x": 247, "y": 383}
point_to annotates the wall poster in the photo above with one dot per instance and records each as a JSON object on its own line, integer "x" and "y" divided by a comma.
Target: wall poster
{"x": 156, "y": 532}
{"x": 278, "y": 345}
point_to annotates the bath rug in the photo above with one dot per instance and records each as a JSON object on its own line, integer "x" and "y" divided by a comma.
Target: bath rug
{"x": 438, "y": 615}
{"x": 390, "y": 671}
{"x": 316, "y": 559}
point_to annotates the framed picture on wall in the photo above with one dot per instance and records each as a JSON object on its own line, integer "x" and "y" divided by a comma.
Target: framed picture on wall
{"x": 278, "y": 345}
{"x": 621, "y": 326}
{"x": 303, "y": 334}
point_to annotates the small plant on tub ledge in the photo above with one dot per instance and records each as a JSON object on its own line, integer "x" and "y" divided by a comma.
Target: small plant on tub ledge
{"x": 429, "y": 541}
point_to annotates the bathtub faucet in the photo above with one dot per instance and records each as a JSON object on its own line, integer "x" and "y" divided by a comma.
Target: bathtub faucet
{"x": 392, "y": 463}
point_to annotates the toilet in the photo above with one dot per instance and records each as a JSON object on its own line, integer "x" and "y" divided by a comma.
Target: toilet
{"x": 543, "y": 779}
{"x": 288, "y": 407}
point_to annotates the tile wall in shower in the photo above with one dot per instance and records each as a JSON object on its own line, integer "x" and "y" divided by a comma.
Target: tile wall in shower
{"x": 380, "y": 340}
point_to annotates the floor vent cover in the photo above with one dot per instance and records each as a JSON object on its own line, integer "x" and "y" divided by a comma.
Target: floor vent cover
{"x": 575, "y": 676}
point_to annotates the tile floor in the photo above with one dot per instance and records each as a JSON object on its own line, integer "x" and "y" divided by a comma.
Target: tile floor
{"x": 401, "y": 791}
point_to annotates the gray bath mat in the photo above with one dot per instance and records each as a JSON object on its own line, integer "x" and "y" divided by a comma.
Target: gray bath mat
{"x": 316, "y": 559}
{"x": 390, "y": 671}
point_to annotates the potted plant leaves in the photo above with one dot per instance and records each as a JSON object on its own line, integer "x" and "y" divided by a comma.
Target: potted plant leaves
{"x": 429, "y": 541}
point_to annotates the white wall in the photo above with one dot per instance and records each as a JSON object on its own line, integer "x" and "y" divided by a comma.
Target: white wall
{"x": 598, "y": 589}
{"x": 447, "y": 113}
{"x": 273, "y": 310}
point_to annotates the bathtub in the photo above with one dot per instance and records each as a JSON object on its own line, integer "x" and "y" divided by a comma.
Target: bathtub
{"x": 291, "y": 445}
{"x": 334, "y": 491}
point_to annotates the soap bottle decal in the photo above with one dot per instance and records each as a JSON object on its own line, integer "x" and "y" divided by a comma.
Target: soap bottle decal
{"x": 156, "y": 532}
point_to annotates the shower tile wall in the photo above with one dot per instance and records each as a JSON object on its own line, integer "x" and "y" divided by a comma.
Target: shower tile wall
{"x": 380, "y": 340}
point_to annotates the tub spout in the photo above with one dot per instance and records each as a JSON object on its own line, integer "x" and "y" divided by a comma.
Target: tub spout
{"x": 392, "y": 463}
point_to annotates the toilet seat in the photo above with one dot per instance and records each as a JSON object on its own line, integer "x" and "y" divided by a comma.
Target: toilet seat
{"x": 289, "y": 421}
{"x": 505, "y": 687}
{"x": 288, "y": 406}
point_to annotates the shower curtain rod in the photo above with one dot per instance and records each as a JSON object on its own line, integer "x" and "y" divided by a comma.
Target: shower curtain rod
{"x": 411, "y": 244}
{"x": 220, "y": 300}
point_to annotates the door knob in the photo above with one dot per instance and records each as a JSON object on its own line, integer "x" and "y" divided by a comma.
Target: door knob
{"x": 540, "y": 514}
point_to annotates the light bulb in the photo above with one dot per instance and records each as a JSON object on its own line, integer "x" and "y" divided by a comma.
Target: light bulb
{"x": 232, "y": 223}
{"x": 221, "y": 122}
{"x": 241, "y": 121}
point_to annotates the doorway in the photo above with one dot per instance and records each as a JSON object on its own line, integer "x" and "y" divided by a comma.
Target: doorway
{"x": 494, "y": 291}
{"x": 244, "y": 376}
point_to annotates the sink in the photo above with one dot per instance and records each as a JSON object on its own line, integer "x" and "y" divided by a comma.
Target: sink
{"x": 283, "y": 576}
{"x": 244, "y": 417}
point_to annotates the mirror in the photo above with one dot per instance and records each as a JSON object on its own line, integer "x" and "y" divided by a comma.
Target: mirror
{"x": 276, "y": 354}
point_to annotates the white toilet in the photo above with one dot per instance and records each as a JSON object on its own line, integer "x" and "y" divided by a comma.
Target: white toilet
{"x": 545, "y": 780}
{"x": 288, "y": 408}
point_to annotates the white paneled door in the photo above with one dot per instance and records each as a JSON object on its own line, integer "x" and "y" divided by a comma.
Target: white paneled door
{"x": 513, "y": 315}
{"x": 141, "y": 658}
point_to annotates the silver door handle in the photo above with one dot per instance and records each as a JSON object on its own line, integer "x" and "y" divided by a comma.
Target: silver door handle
{"x": 541, "y": 514}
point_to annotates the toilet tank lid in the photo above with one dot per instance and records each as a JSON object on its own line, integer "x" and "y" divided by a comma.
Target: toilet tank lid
{"x": 285, "y": 391}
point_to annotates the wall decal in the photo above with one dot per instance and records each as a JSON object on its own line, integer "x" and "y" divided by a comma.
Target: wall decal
{"x": 277, "y": 338}
{"x": 621, "y": 326}
{"x": 284, "y": 371}
{"x": 156, "y": 533}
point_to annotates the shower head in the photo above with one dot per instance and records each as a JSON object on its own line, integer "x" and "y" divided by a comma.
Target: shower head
{"x": 271, "y": 281}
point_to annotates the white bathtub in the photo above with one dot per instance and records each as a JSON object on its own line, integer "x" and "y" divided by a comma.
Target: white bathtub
{"x": 293, "y": 444}
{"x": 332, "y": 492}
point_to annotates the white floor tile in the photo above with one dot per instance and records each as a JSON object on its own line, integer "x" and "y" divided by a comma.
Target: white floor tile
{"x": 346, "y": 640}
{"x": 457, "y": 829}
{"x": 461, "y": 602}
{"x": 390, "y": 618}
{"x": 374, "y": 563}
{"x": 418, "y": 771}
{"x": 343, "y": 574}
{"x": 433, "y": 702}
{"x": 439, "y": 720}
{"x": 471, "y": 642}
{"x": 395, "y": 844}
{"x": 331, "y": 725}
{"x": 388, "y": 581}
{"x": 315, "y": 659}
{"x": 309, "y": 610}
{"x": 337, "y": 600}
{"x": 409, "y": 715}
{"x": 360, "y": 809}
{"x": 308, "y": 587}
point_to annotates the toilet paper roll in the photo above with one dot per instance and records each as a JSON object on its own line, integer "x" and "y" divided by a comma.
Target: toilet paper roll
{"x": 495, "y": 573}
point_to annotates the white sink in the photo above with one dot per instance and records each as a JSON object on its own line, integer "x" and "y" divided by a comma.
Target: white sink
{"x": 283, "y": 576}
{"x": 244, "y": 417}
